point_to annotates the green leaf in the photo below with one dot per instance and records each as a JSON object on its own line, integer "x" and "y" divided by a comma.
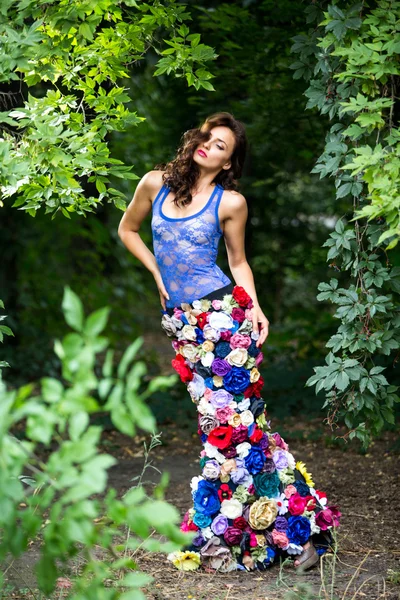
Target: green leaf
{"x": 128, "y": 356}
{"x": 73, "y": 309}
{"x": 96, "y": 322}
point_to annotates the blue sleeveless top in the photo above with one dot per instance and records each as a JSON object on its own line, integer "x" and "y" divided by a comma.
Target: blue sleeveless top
{"x": 186, "y": 249}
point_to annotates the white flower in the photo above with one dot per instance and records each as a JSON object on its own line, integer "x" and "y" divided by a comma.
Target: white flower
{"x": 196, "y": 304}
{"x": 207, "y": 359}
{"x": 314, "y": 526}
{"x": 231, "y": 508}
{"x": 196, "y": 387}
{"x": 210, "y": 333}
{"x": 254, "y": 335}
{"x": 190, "y": 351}
{"x": 220, "y": 320}
{"x": 194, "y": 483}
{"x": 247, "y": 418}
{"x": 212, "y": 452}
{"x": 205, "y": 407}
{"x": 243, "y": 449}
{"x": 207, "y": 533}
{"x": 237, "y": 357}
{"x": 293, "y": 548}
{"x": 244, "y": 404}
{"x": 282, "y": 503}
{"x": 189, "y": 333}
{"x": 245, "y": 327}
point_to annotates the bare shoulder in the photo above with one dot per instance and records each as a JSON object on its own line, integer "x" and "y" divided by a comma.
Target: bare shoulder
{"x": 232, "y": 202}
{"x": 151, "y": 182}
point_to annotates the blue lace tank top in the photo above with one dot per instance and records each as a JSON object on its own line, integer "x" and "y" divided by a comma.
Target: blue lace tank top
{"x": 186, "y": 249}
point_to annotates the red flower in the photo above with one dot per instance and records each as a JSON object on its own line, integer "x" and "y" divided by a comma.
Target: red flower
{"x": 182, "y": 368}
{"x": 256, "y": 435}
{"x": 238, "y": 315}
{"x": 240, "y": 523}
{"x": 255, "y": 388}
{"x": 202, "y": 319}
{"x": 224, "y": 492}
{"x": 221, "y": 436}
{"x": 311, "y": 502}
{"x": 241, "y": 296}
{"x": 226, "y": 335}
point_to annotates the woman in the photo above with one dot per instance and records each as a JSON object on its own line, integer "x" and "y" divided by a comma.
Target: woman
{"x": 253, "y": 502}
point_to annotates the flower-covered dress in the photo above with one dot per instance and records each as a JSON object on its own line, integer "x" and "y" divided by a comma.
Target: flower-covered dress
{"x": 253, "y": 502}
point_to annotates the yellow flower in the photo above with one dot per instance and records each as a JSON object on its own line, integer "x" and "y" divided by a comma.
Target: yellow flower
{"x": 300, "y": 466}
{"x": 217, "y": 381}
{"x": 208, "y": 346}
{"x": 185, "y": 561}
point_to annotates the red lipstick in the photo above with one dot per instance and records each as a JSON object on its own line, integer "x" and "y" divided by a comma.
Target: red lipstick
{"x": 202, "y": 153}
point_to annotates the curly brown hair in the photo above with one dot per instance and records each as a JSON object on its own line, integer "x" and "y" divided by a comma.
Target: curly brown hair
{"x": 182, "y": 173}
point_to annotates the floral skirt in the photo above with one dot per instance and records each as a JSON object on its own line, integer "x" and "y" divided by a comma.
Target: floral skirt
{"x": 253, "y": 502}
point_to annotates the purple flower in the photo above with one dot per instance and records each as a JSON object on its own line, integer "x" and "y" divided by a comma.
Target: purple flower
{"x": 239, "y": 434}
{"x": 269, "y": 466}
{"x": 281, "y": 524}
{"x": 198, "y": 540}
{"x": 219, "y": 524}
{"x": 233, "y": 536}
{"x": 280, "y": 459}
{"x": 240, "y": 475}
{"x": 220, "y": 367}
{"x": 264, "y": 442}
{"x": 221, "y": 398}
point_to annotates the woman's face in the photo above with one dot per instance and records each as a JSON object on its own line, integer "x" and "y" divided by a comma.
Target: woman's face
{"x": 214, "y": 154}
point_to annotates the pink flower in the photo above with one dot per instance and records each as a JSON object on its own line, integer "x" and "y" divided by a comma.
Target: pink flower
{"x": 216, "y": 304}
{"x": 239, "y": 340}
{"x": 224, "y": 414}
{"x": 253, "y": 540}
{"x": 226, "y": 335}
{"x": 327, "y": 518}
{"x": 280, "y": 441}
{"x": 290, "y": 490}
{"x": 178, "y": 312}
{"x": 297, "y": 504}
{"x": 280, "y": 538}
{"x": 259, "y": 358}
{"x": 248, "y": 313}
{"x": 208, "y": 393}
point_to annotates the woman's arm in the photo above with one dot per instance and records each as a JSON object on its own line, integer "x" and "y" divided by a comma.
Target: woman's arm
{"x": 234, "y": 234}
{"x": 129, "y": 226}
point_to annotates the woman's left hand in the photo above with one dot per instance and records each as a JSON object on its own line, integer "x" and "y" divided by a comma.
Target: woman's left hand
{"x": 260, "y": 318}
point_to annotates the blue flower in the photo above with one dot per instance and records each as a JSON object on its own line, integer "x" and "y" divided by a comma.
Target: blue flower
{"x": 237, "y": 380}
{"x": 199, "y": 335}
{"x": 206, "y": 499}
{"x": 235, "y": 327}
{"x": 253, "y": 350}
{"x": 208, "y": 382}
{"x": 298, "y": 530}
{"x": 222, "y": 349}
{"x": 267, "y": 484}
{"x": 255, "y": 459}
{"x": 183, "y": 318}
{"x": 202, "y": 520}
{"x": 302, "y": 488}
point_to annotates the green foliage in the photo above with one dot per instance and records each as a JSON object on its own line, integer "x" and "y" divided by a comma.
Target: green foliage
{"x": 66, "y": 500}
{"x": 76, "y": 58}
{"x": 356, "y": 59}
{"x": 4, "y": 330}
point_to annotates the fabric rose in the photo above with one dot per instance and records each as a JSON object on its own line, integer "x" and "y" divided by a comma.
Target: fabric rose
{"x": 224, "y": 414}
{"x": 196, "y": 387}
{"x": 228, "y": 466}
{"x": 220, "y": 398}
{"x": 168, "y": 324}
{"x": 207, "y": 359}
{"x": 235, "y": 420}
{"x": 286, "y": 476}
{"x": 302, "y": 488}
{"x": 218, "y": 381}
{"x": 280, "y": 538}
{"x": 207, "y": 423}
{"x": 280, "y": 459}
{"x": 226, "y": 335}
{"x": 211, "y": 470}
{"x": 206, "y": 499}
{"x": 257, "y": 406}
{"x": 237, "y": 357}
{"x": 256, "y": 435}
{"x": 267, "y": 484}
{"x": 224, "y": 492}
{"x": 247, "y": 418}
{"x": 259, "y": 359}
{"x": 220, "y": 366}
{"x": 205, "y": 408}
{"x": 190, "y": 351}
{"x": 229, "y": 452}
{"x": 219, "y": 524}
{"x": 216, "y": 304}
{"x": 202, "y": 370}
{"x": 240, "y": 474}
{"x": 232, "y": 508}
{"x": 298, "y": 530}
{"x": 262, "y": 513}
{"x": 222, "y": 349}
{"x": 201, "y": 520}
{"x": 281, "y": 523}
{"x": 242, "y": 297}
{"x": 243, "y": 449}
{"x": 220, "y": 436}
{"x": 187, "y": 523}
{"x": 254, "y": 460}
{"x": 220, "y": 320}
{"x": 183, "y": 370}
{"x": 239, "y": 435}
{"x": 237, "y": 380}
{"x": 239, "y": 340}
{"x": 254, "y": 375}
{"x": 202, "y": 319}
{"x": 210, "y": 333}
{"x": 189, "y": 333}
{"x": 280, "y": 442}
{"x": 255, "y": 388}
{"x": 208, "y": 346}
{"x": 218, "y": 557}
{"x": 290, "y": 490}
{"x": 238, "y": 314}
{"x": 233, "y": 536}
{"x": 329, "y": 517}
{"x": 297, "y": 504}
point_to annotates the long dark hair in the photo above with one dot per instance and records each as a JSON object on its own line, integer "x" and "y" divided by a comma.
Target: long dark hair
{"x": 181, "y": 173}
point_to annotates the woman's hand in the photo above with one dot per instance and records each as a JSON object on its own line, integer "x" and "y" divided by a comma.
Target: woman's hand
{"x": 259, "y": 317}
{"x": 161, "y": 289}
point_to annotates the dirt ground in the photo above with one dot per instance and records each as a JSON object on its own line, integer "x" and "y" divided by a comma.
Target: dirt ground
{"x": 364, "y": 486}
